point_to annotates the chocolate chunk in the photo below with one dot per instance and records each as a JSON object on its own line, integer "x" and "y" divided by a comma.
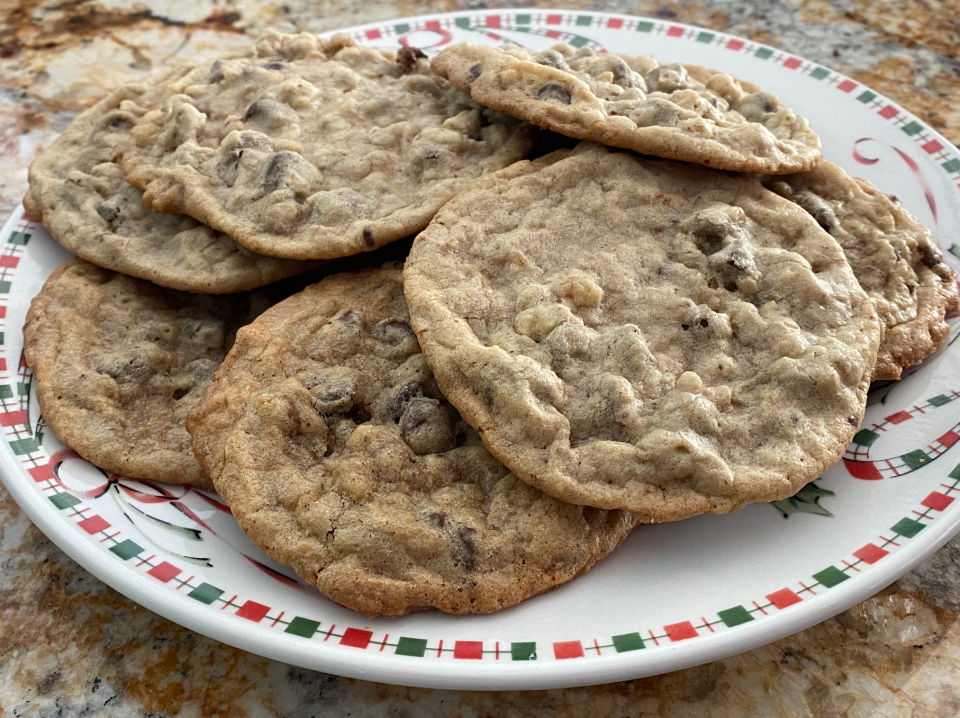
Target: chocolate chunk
{"x": 930, "y": 256}
{"x": 426, "y": 427}
{"x": 554, "y": 92}
{"x": 334, "y": 394}
{"x": 397, "y": 403}
{"x": 466, "y": 537}
{"x": 392, "y": 331}
{"x": 276, "y": 167}
{"x": 108, "y": 213}
{"x": 368, "y": 237}
{"x": 216, "y": 72}
{"x": 551, "y": 58}
{"x": 407, "y": 58}
{"x": 255, "y": 109}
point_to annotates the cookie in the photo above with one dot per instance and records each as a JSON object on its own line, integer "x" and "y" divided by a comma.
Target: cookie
{"x": 681, "y": 112}
{"x": 118, "y": 362}
{"x": 892, "y": 255}
{"x": 326, "y": 433}
{"x": 315, "y": 149}
{"x": 78, "y": 190}
{"x": 636, "y": 333}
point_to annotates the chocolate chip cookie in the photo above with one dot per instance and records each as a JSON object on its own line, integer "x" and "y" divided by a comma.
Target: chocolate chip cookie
{"x": 892, "y": 255}
{"x": 118, "y": 362}
{"x": 682, "y": 112}
{"x": 326, "y": 433}
{"x": 79, "y": 192}
{"x": 642, "y": 334}
{"x": 315, "y": 149}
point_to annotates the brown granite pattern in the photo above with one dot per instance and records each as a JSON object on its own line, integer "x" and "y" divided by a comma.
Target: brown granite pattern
{"x": 70, "y": 646}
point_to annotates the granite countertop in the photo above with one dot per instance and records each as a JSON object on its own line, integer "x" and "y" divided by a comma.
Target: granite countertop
{"x": 71, "y": 646}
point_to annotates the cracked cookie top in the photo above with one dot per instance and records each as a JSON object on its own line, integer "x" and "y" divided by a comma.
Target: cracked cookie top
{"x": 314, "y": 149}
{"x": 641, "y": 334}
{"x": 327, "y": 435}
{"x": 892, "y": 255}
{"x": 680, "y": 112}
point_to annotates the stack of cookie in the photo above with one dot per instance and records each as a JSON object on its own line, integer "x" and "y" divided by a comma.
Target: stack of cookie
{"x": 578, "y": 341}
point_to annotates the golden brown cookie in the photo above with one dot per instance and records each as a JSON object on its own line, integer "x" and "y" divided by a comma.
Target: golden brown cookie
{"x": 892, "y": 255}
{"x": 118, "y": 362}
{"x": 315, "y": 149}
{"x": 326, "y": 433}
{"x": 642, "y": 334}
{"x": 681, "y": 112}
{"x": 78, "y": 190}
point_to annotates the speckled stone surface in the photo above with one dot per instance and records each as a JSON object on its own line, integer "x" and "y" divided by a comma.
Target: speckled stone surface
{"x": 70, "y": 646}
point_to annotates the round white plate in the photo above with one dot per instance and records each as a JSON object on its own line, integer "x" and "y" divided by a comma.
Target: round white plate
{"x": 673, "y": 595}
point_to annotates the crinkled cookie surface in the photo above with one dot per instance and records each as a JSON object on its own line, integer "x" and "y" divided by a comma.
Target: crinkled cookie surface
{"x": 119, "y": 362}
{"x": 892, "y": 255}
{"x": 315, "y": 149}
{"x": 641, "y": 334}
{"x": 326, "y": 433}
{"x": 78, "y": 190}
{"x": 681, "y": 112}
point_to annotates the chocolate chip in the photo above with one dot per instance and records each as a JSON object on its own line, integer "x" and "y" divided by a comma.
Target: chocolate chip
{"x": 368, "y": 237}
{"x": 474, "y": 72}
{"x": 467, "y": 538}
{"x": 852, "y": 420}
{"x": 334, "y": 395}
{"x": 275, "y": 65}
{"x": 794, "y": 418}
{"x": 440, "y": 519}
{"x": 180, "y": 393}
{"x": 277, "y": 165}
{"x": 216, "y": 72}
{"x": 392, "y": 331}
{"x": 255, "y": 109}
{"x": 108, "y": 213}
{"x": 685, "y": 327}
{"x": 426, "y": 427}
{"x": 704, "y": 323}
{"x": 407, "y": 58}
{"x": 930, "y": 256}
{"x": 551, "y": 58}
{"x": 397, "y": 403}
{"x": 350, "y": 318}
{"x": 554, "y": 92}
{"x": 769, "y": 107}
